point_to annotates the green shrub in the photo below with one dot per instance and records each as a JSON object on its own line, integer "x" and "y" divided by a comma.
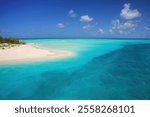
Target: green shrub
{"x": 11, "y": 40}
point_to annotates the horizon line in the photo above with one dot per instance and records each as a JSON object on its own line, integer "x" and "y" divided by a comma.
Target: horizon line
{"x": 84, "y": 38}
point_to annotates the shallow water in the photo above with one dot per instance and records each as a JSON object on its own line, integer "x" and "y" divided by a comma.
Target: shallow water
{"x": 100, "y": 69}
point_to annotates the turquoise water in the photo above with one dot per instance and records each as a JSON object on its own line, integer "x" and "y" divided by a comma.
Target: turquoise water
{"x": 101, "y": 69}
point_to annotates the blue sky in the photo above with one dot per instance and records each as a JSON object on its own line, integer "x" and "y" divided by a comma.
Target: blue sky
{"x": 75, "y": 18}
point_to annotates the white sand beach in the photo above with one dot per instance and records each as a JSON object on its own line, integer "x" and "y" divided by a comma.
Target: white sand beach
{"x": 30, "y": 52}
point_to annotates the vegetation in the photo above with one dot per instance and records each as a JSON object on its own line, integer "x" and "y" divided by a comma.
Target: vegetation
{"x": 10, "y": 41}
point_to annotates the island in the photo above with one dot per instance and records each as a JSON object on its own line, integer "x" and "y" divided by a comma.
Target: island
{"x": 13, "y": 50}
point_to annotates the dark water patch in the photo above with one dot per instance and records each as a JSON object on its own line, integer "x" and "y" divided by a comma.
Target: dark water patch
{"x": 50, "y": 84}
{"x": 122, "y": 74}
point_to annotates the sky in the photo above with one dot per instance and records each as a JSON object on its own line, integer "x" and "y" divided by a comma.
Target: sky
{"x": 75, "y": 18}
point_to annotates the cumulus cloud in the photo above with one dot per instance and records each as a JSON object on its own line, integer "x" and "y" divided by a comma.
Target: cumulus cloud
{"x": 88, "y": 26}
{"x": 128, "y": 13}
{"x": 116, "y": 24}
{"x": 101, "y": 31}
{"x": 86, "y": 18}
{"x": 60, "y": 25}
{"x": 72, "y": 13}
{"x": 122, "y": 27}
{"x": 127, "y": 25}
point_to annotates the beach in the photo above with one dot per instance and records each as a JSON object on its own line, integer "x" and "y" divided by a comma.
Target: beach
{"x": 31, "y": 52}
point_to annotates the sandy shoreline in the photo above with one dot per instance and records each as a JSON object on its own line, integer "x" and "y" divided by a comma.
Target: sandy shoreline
{"x": 30, "y": 52}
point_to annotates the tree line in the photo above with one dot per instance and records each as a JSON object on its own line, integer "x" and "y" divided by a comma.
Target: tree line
{"x": 9, "y": 40}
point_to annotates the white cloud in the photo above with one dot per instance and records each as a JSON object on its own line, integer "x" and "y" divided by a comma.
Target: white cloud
{"x": 101, "y": 31}
{"x": 72, "y": 13}
{"x": 115, "y": 24}
{"x": 123, "y": 25}
{"x": 88, "y": 26}
{"x": 86, "y": 18}
{"x": 60, "y": 25}
{"x": 127, "y": 25}
{"x": 128, "y": 13}
{"x": 111, "y": 31}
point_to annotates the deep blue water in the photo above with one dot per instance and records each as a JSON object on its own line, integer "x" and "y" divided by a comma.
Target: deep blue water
{"x": 100, "y": 69}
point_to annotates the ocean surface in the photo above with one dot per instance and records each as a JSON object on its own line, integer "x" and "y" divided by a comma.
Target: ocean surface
{"x": 107, "y": 69}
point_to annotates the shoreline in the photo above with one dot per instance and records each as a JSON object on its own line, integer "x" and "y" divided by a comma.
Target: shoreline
{"x": 28, "y": 52}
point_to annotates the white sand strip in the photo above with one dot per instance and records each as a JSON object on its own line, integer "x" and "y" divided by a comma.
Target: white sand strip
{"x": 29, "y": 52}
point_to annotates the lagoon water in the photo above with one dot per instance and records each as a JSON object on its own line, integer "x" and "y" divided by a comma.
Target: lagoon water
{"x": 101, "y": 69}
